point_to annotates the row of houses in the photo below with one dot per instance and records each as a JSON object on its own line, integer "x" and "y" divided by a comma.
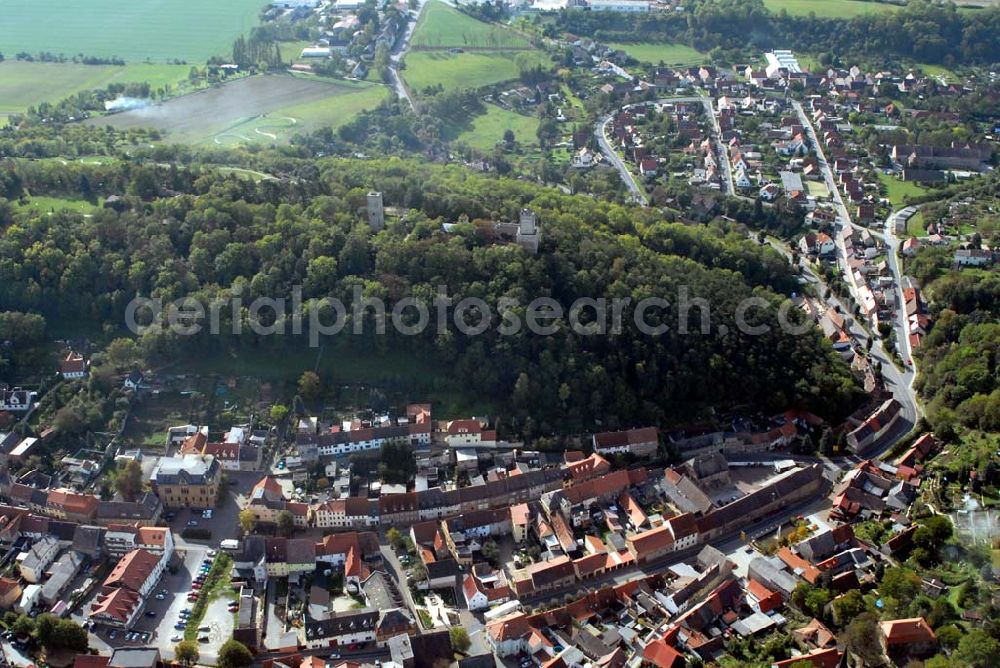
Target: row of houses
{"x": 501, "y": 489}
{"x": 55, "y": 551}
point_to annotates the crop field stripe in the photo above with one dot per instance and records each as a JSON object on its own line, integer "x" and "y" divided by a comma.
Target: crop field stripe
{"x": 135, "y": 30}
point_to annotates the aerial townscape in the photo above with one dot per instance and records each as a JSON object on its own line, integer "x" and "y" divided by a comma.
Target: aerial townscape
{"x": 500, "y": 333}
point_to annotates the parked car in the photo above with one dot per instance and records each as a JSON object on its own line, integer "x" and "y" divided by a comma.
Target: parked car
{"x": 151, "y": 613}
{"x": 192, "y": 523}
{"x": 177, "y": 637}
{"x": 180, "y": 626}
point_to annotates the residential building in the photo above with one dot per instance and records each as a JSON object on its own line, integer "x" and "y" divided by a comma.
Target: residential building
{"x": 10, "y": 593}
{"x": 73, "y": 365}
{"x": 907, "y": 637}
{"x": 639, "y": 442}
{"x": 146, "y": 511}
{"x": 126, "y": 588}
{"x": 33, "y": 563}
{"x": 343, "y": 628}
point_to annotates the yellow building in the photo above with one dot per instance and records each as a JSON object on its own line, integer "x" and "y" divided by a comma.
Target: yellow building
{"x": 188, "y": 481}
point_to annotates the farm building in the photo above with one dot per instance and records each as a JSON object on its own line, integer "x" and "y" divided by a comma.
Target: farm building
{"x": 315, "y": 52}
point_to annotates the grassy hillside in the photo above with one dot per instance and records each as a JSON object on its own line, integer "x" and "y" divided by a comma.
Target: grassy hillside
{"x": 443, "y": 27}
{"x": 485, "y": 131}
{"x": 135, "y": 30}
{"x": 464, "y": 70}
{"x": 671, "y": 54}
{"x": 833, "y": 9}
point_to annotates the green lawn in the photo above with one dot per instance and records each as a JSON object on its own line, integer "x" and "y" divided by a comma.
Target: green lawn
{"x": 443, "y": 27}
{"x": 290, "y": 51}
{"x": 135, "y": 30}
{"x": 817, "y": 189}
{"x": 47, "y": 204}
{"x": 488, "y": 129}
{"x": 936, "y": 71}
{"x": 915, "y": 225}
{"x": 23, "y": 84}
{"x": 831, "y": 9}
{"x": 898, "y": 189}
{"x": 671, "y": 54}
{"x": 465, "y": 70}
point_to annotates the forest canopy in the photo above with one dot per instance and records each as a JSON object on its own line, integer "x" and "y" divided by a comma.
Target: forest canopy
{"x": 195, "y": 232}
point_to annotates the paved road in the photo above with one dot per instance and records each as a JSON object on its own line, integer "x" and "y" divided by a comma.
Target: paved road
{"x": 399, "y": 52}
{"x": 893, "y": 245}
{"x": 721, "y": 148}
{"x": 398, "y": 573}
{"x": 844, "y": 214}
{"x": 900, "y": 382}
{"x": 601, "y": 132}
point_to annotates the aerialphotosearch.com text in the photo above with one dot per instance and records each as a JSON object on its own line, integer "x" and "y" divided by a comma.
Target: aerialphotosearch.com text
{"x": 319, "y": 318}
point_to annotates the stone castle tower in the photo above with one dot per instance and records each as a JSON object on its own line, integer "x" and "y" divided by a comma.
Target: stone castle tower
{"x": 376, "y": 211}
{"x": 528, "y": 233}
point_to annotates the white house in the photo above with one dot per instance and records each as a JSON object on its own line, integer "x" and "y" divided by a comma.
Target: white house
{"x": 34, "y": 561}
{"x": 344, "y": 628}
{"x": 740, "y": 178}
{"x": 973, "y": 257}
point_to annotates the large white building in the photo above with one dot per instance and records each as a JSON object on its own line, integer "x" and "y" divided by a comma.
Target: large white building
{"x": 780, "y": 59}
{"x": 618, "y": 6}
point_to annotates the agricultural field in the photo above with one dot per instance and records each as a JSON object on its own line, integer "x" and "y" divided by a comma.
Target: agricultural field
{"x": 254, "y": 109}
{"x": 24, "y": 84}
{"x": 159, "y": 31}
{"x": 443, "y": 27}
{"x": 830, "y": 9}
{"x": 465, "y": 70}
{"x": 486, "y": 130}
{"x": 671, "y": 54}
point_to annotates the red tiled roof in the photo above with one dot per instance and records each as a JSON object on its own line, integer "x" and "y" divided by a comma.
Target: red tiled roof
{"x": 767, "y": 599}
{"x": 520, "y": 514}
{"x": 467, "y": 426}
{"x": 819, "y": 658}
{"x": 652, "y": 540}
{"x": 906, "y": 631}
{"x": 90, "y": 661}
{"x": 797, "y": 563}
{"x": 116, "y": 603}
{"x": 662, "y": 655}
{"x": 509, "y": 628}
{"x": 132, "y": 570}
{"x": 71, "y": 502}
{"x": 153, "y": 535}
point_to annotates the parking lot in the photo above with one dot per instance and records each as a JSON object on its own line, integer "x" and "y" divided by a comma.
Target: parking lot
{"x": 161, "y": 611}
